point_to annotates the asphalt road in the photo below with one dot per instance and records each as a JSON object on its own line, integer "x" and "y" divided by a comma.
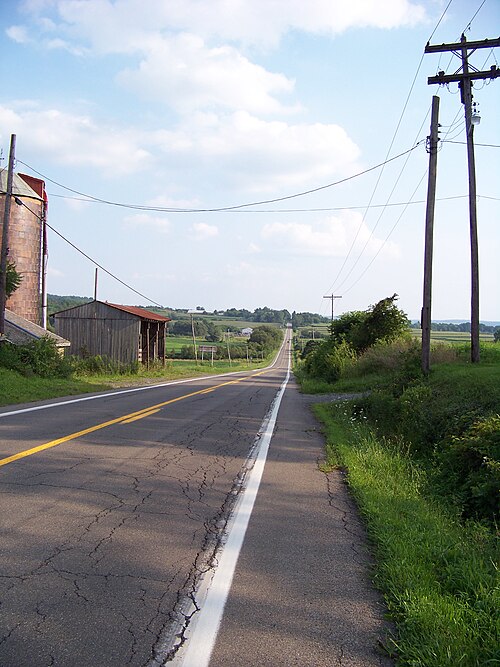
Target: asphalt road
{"x": 114, "y": 507}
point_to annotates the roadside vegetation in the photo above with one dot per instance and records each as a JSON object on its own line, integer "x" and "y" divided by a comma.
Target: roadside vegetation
{"x": 37, "y": 371}
{"x": 422, "y": 458}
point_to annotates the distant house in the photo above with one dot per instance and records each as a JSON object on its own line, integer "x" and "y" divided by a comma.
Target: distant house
{"x": 122, "y": 333}
{"x": 247, "y": 331}
{"x": 19, "y": 331}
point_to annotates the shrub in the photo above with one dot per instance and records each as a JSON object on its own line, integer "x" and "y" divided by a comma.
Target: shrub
{"x": 40, "y": 357}
{"x": 102, "y": 365}
{"x": 386, "y": 357}
{"x": 469, "y": 469}
{"x": 328, "y": 360}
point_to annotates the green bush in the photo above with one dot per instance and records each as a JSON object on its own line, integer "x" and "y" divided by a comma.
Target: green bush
{"x": 469, "y": 469}
{"x": 102, "y": 365}
{"x": 328, "y": 360}
{"x": 40, "y": 357}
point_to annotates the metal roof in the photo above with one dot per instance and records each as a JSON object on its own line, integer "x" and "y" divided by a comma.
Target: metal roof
{"x": 19, "y": 187}
{"x": 140, "y": 312}
{"x": 19, "y": 330}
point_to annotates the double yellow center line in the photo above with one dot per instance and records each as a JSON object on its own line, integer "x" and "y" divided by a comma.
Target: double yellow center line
{"x": 124, "y": 419}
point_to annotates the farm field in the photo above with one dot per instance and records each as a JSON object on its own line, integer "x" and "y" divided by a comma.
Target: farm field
{"x": 452, "y": 336}
{"x": 306, "y": 333}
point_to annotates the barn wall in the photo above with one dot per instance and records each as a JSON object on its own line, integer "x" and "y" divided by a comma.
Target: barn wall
{"x": 97, "y": 329}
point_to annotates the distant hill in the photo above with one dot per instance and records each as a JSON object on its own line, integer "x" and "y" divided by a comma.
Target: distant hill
{"x": 263, "y": 315}
{"x": 485, "y": 326}
{"x": 56, "y": 303}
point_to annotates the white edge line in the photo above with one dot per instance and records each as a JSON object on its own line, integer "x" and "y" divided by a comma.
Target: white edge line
{"x": 129, "y": 391}
{"x": 201, "y": 633}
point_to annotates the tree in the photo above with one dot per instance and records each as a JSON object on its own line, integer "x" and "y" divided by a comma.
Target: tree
{"x": 384, "y": 322}
{"x": 496, "y": 335}
{"x": 361, "y": 329}
{"x": 14, "y": 279}
{"x": 214, "y": 333}
{"x": 266, "y": 337}
{"x": 343, "y": 327}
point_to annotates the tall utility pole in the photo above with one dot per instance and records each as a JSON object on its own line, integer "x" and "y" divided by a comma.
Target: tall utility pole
{"x": 332, "y": 297}
{"x": 5, "y": 234}
{"x": 464, "y": 80}
{"x": 429, "y": 230}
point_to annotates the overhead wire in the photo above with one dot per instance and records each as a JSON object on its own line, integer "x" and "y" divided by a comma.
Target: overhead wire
{"x": 220, "y": 209}
{"x": 339, "y": 273}
{"x": 296, "y": 210}
{"x": 100, "y": 266}
{"x": 450, "y": 128}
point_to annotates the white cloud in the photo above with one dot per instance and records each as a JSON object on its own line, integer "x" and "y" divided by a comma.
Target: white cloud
{"x": 75, "y": 140}
{"x": 54, "y": 273}
{"x": 257, "y": 22}
{"x": 201, "y": 231}
{"x": 331, "y": 237}
{"x": 184, "y": 73}
{"x": 263, "y": 155}
{"x": 18, "y": 33}
{"x": 156, "y": 222}
{"x": 63, "y": 45}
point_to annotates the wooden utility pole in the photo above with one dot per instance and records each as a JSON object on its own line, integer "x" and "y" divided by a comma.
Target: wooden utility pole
{"x": 194, "y": 339}
{"x": 464, "y": 80}
{"x": 429, "y": 232}
{"x": 332, "y": 297}
{"x": 5, "y": 234}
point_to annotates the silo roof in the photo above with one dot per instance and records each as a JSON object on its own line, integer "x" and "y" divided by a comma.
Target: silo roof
{"x": 19, "y": 187}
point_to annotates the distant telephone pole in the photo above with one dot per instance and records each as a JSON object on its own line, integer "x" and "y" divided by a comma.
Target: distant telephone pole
{"x": 332, "y": 297}
{"x": 429, "y": 233}
{"x": 464, "y": 80}
{"x": 5, "y": 233}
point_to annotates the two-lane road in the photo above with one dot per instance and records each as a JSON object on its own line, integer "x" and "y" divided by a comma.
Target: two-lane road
{"x": 112, "y": 506}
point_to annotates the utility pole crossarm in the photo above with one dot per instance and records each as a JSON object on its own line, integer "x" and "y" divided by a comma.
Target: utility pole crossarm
{"x": 457, "y": 46}
{"x": 441, "y": 77}
{"x": 464, "y": 77}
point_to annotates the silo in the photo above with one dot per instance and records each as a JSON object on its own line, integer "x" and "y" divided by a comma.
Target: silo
{"x": 25, "y": 242}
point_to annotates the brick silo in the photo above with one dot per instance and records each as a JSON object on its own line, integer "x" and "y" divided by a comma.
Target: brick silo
{"x": 26, "y": 242}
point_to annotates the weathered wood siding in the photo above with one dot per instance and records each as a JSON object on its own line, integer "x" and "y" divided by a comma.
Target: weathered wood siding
{"x": 95, "y": 328}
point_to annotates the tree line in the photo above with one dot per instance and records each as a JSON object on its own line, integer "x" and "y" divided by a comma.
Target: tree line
{"x": 264, "y": 315}
{"x": 458, "y": 327}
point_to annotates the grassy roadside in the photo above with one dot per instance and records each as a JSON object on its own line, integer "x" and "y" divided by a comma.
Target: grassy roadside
{"x": 18, "y": 388}
{"x": 422, "y": 456}
{"x": 438, "y": 574}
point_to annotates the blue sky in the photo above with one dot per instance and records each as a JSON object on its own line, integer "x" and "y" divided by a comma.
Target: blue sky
{"x": 202, "y": 104}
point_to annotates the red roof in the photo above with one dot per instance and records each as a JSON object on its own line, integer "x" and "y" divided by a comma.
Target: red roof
{"x": 140, "y": 312}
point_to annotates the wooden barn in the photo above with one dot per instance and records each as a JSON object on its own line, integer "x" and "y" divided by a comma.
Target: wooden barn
{"x": 121, "y": 333}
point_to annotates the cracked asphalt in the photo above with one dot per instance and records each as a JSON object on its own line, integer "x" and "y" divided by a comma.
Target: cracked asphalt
{"x": 104, "y": 537}
{"x": 302, "y": 593}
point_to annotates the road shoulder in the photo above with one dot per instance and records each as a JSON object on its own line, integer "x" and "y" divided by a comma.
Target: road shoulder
{"x": 302, "y": 593}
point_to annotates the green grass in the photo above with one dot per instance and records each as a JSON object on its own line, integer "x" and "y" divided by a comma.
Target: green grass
{"x": 452, "y": 336}
{"x": 17, "y": 388}
{"x": 438, "y": 576}
{"x": 176, "y": 343}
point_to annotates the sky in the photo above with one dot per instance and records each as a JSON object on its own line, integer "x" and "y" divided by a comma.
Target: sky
{"x": 169, "y": 108}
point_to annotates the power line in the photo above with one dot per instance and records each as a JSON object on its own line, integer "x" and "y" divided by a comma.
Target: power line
{"x": 448, "y": 141}
{"x": 223, "y": 208}
{"x": 388, "y": 151}
{"x": 335, "y": 283}
{"x": 18, "y": 200}
{"x": 300, "y": 210}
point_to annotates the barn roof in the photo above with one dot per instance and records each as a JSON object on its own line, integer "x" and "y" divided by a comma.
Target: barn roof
{"x": 140, "y": 312}
{"x": 19, "y": 330}
{"x": 20, "y": 187}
